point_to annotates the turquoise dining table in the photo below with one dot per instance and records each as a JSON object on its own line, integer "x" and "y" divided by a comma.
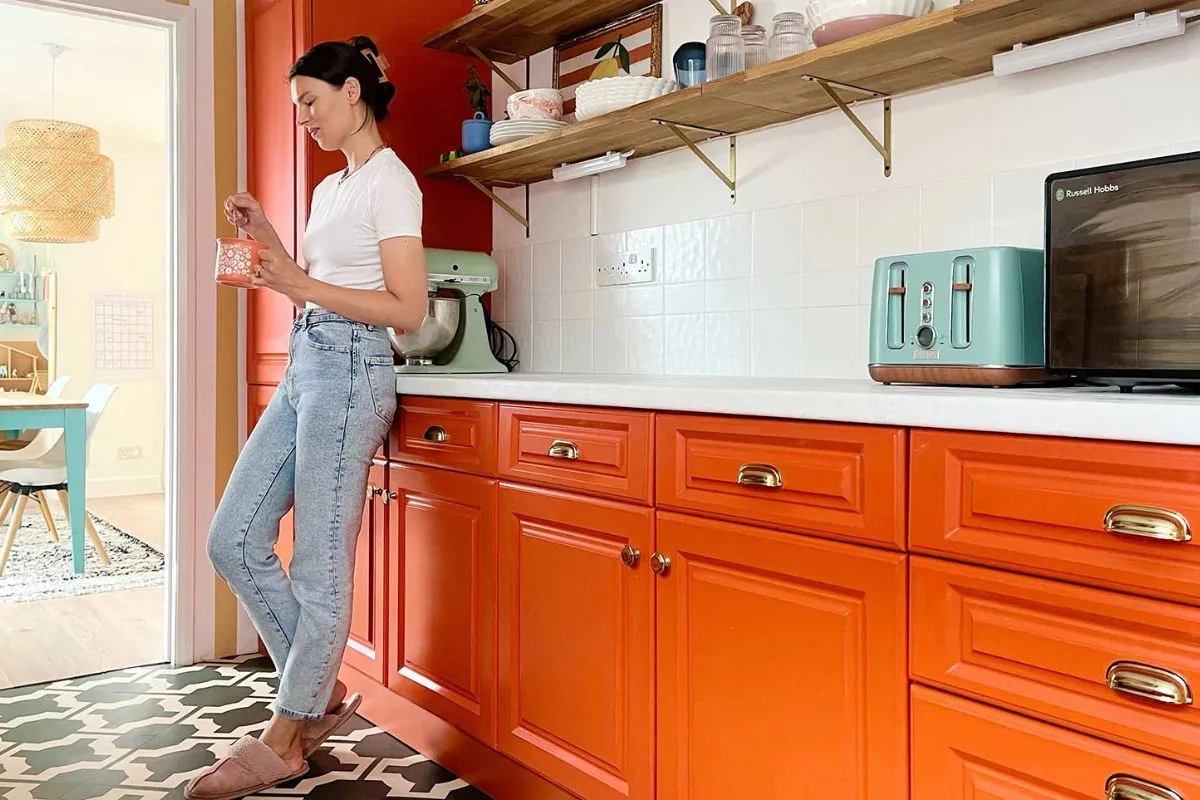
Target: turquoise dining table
{"x": 20, "y": 411}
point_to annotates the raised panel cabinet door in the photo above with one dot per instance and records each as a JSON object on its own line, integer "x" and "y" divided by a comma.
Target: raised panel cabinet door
{"x": 442, "y": 602}
{"x": 577, "y": 641}
{"x": 272, "y": 157}
{"x": 782, "y": 669}
{"x": 1115, "y": 515}
{"x": 258, "y": 397}
{"x": 963, "y": 750}
{"x": 366, "y": 651}
{"x": 1122, "y": 667}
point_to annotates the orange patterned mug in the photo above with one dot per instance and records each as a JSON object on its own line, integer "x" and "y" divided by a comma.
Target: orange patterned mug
{"x": 237, "y": 261}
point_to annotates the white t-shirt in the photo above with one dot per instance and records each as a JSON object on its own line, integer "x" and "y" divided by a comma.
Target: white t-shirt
{"x": 380, "y": 200}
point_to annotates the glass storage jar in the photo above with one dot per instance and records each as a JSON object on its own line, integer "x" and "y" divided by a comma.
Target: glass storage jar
{"x": 726, "y": 50}
{"x": 792, "y": 35}
{"x": 755, "y": 37}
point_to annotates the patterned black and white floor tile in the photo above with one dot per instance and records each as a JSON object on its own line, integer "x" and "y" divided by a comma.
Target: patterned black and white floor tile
{"x": 141, "y": 734}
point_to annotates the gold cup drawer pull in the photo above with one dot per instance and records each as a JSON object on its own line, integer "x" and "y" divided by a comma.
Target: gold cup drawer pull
{"x": 764, "y": 475}
{"x": 1160, "y": 524}
{"x": 1127, "y": 787}
{"x": 1149, "y": 683}
{"x": 435, "y": 434}
{"x": 567, "y": 451}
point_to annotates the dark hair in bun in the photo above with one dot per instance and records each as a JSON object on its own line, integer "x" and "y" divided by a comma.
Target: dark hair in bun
{"x": 337, "y": 62}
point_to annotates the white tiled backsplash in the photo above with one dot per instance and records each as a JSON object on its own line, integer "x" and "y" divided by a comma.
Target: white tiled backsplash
{"x": 778, "y": 284}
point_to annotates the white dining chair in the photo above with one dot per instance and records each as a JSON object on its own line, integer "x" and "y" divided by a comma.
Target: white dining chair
{"x": 35, "y": 477}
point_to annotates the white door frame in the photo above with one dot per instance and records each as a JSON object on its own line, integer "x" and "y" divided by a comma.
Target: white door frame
{"x": 191, "y": 302}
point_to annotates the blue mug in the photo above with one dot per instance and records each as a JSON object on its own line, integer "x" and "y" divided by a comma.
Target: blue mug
{"x": 476, "y": 133}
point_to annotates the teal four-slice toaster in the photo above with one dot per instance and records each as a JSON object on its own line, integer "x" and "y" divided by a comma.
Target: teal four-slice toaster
{"x": 960, "y": 318}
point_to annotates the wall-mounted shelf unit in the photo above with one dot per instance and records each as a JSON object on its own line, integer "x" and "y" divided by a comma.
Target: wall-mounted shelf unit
{"x": 923, "y": 53}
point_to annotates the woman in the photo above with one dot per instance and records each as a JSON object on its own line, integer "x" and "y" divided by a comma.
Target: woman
{"x": 365, "y": 271}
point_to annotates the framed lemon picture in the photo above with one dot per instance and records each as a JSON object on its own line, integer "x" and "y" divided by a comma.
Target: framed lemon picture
{"x": 631, "y": 45}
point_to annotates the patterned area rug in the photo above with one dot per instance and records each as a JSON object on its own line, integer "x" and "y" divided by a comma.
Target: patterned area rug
{"x": 40, "y": 568}
{"x": 141, "y": 734}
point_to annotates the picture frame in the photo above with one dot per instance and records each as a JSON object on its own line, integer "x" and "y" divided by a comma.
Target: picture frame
{"x": 640, "y": 33}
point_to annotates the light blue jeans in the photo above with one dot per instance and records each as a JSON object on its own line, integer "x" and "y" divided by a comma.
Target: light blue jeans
{"x": 312, "y": 448}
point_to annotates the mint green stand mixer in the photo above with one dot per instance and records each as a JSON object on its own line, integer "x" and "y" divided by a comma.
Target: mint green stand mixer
{"x": 453, "y": 339}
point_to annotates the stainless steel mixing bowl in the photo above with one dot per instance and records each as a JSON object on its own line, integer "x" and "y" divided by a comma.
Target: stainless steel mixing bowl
{"x": 437, "y": 331}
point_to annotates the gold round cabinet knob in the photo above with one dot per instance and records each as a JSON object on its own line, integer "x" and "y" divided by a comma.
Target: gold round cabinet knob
{"x": 660, "y": 563}
{"x": 630, "y": 556}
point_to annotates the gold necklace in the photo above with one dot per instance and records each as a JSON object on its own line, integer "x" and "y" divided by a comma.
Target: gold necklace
{"x": 347, "y": 172}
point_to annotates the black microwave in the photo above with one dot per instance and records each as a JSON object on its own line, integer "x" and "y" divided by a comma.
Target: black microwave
{"x": 1123, "y": 273}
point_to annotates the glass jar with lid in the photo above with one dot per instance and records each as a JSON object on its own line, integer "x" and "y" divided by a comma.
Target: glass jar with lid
{"x": 726, "y": 50}
{"x": 792, "y": 35}
{"x": 755, "y": 37}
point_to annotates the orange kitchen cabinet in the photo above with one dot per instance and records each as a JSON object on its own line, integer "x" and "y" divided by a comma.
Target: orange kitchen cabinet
{"x": 963, "y": 750}
{"x": 785, "y": 650}
{"x": 442, "y": 600}
{"x": 1115, "y": 515}
{"x": 451, "y": 434}
{"x": 366, "y": 650}
{"x": 576, "y": 641}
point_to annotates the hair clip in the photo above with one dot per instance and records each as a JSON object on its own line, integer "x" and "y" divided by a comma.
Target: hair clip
{"x": 380, "y": 62}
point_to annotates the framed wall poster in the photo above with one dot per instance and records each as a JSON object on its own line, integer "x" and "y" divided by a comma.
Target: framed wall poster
{"x": 632, "y": 43}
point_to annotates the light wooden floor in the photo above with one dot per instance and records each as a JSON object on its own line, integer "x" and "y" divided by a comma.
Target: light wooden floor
{"x": 63, "y": 637}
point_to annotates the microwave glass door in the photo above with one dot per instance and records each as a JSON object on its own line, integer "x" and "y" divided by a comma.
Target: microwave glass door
{"x": 1123, "y": 266}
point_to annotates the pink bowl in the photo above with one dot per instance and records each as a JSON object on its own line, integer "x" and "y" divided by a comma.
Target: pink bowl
{"x": 237, "y": 261}
{"x": 849, "y": 27}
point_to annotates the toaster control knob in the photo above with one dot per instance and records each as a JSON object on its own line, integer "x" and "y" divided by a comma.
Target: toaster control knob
{"x": 927, "y": 288}
{"x": 925, "y": 337}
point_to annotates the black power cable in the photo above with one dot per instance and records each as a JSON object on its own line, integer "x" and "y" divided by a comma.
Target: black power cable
{"x": 501, "y": 342}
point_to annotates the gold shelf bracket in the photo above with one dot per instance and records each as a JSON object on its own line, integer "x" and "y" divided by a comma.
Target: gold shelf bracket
{"x": 835, "y": 91}
{"x": 730, "y": 178}
{"x": 492, "y": 66}
{"x": 720, "y": 8}
{"x": 522, "y": 219}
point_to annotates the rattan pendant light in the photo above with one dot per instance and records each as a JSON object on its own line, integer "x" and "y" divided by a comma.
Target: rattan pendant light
{"x": 55, "y": 186}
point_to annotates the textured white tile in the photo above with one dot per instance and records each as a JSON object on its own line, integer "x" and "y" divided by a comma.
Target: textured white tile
{"x": 577, "y": 305}
{"x": 497, "y": 308}
{"x": 1121, "y": 157}
{"x": 547, "y": 347}
{"x": 522, "y": 333}
{"x": 830, "y": 343}
{"x": 547, "y": 268}
{"x": 646, "y": 345}
{"x": 577, "y": 345}
{"x": 778, "y": 242}
{"x": 727, "y": 295}
{"x": 727, "y": 349}
{"x": 889, "y": 224}
{"x": 576, "y": 261}
{"x": 518, "y": 308}
{"x": 956, "y": 214}
{"x": 518, "y": 268}
{"x": 730, "y": 247}
{"x": 777, "y": 351}
{"x": 684, "y": 249}
{"x": 777, "y": 291}
{"x": 683, "y": 298}
{"x": 611, "y": 301}
{"x": 645, "y": 239}
{"x": 830, "y": 234}
{"x": 684, "y": 344}
{"x": 610, "y": 346}
{"x": 547, "y": 307}
{"x": 866, "y": 285}
{"x": 644, "y": 300}
{"x": 836, "y": 287}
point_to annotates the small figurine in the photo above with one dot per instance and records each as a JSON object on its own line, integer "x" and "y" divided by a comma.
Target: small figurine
{"x": 746, "y": 12}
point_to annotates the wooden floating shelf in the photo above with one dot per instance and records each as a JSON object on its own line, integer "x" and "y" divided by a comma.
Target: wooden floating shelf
{"x": 923, "y": 53}
{"x": 507, "y": 31}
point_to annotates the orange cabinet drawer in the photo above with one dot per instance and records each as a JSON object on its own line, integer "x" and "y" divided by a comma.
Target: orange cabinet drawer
{"x": 964, "y": 750}
{"x": 844, "y": 481}
{"x": 454, "y": 434}
{"x": 609, "y": 453}
{"x": 1087, "y": 512}
{"x": 1053, "y": 650}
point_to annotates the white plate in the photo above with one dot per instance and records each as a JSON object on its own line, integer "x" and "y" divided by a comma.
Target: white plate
{"x": 509, "y": 125}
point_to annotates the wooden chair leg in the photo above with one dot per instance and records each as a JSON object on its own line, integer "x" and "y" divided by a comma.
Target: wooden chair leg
{"x": 91, "y": 529}
{"x": 13, "y": 527}
{"x": 44, "y": 505}
{"x": 10, "y": 500}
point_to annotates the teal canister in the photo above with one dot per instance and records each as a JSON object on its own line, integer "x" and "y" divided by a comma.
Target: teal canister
{"x": 972, "y": 317}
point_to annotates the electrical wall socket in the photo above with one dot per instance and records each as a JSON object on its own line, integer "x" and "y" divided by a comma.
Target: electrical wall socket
{"x": 632, "y": 266}
{"x": 131, "y": 453}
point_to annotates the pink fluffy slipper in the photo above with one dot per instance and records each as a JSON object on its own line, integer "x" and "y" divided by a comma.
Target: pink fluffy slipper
{"x": 326, "y": 726}
{"x": 249, "y": 767}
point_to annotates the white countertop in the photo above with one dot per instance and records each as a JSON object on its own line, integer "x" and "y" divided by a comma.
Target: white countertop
{"x": 1166, "y": 416}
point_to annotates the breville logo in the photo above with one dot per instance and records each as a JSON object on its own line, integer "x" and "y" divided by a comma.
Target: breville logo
{"x": 1070, "y": 194}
